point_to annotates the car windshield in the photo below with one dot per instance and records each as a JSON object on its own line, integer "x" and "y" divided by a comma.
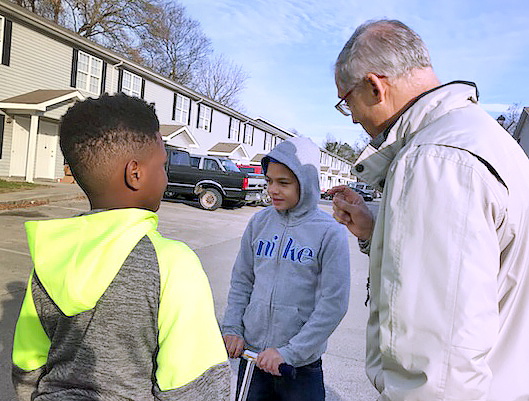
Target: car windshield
{"x": 229, "y": 165}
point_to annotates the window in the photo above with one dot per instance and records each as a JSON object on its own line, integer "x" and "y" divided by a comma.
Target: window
{"x": 2, "y": 30}
{"x": 179, "y": 158}
{"x": 5, "y": 40}
{"x": 278, "y": 140}
{"x": 195, "y": 161}
{"x": 235, "y": 126}
{"x": 89, "y": 74}
{"x": 204, "y": 117}
{"x": 248, "y": 134}
{"x": 181, "y": 108}
{"x": 131, "y": 84}
{"x": 229, "y": 165}
{"x": 210, "y": 164}
{"x": 268, "y": 141}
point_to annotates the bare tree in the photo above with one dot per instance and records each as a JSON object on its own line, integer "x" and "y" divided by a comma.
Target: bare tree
{"x": 511, "y": 117}
{"x": 173, "y": 44}
{"x": 155, "y": 33}
{"x": 221, "y": 80}
{"x": 343, "y": 150}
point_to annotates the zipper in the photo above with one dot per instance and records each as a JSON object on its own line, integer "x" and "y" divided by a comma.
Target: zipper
{"x": 267, "y": 338}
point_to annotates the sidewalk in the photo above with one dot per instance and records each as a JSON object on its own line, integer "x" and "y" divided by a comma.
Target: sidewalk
{"x": 51, "y": 192}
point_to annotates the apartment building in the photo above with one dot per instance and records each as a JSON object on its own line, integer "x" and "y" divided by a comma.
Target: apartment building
{"x": 521, "y": 134}
{"x": 45, "y": 68}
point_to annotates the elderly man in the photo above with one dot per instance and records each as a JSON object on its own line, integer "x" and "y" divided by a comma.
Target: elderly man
{"x": 449, "y": 255}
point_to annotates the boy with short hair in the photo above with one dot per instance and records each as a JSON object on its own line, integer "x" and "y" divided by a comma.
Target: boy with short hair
{"x": 290, "y": 282}
{"x": 113, "y": 310}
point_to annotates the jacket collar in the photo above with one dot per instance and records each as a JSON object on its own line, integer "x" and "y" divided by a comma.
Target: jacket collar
{"x": 373, "y": 163}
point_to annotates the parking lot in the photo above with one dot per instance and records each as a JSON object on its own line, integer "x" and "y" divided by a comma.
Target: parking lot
{"x": 215, "y": 237}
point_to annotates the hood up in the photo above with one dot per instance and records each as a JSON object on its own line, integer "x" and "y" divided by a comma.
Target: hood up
{"x": 77, "y": 258}
{"x": 302, "y": 156}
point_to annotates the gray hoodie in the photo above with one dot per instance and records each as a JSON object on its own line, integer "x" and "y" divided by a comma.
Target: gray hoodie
{"x": 290, "y": 282}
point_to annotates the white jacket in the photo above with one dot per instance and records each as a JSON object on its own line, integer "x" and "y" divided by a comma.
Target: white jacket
{"x": 449, "y": 309}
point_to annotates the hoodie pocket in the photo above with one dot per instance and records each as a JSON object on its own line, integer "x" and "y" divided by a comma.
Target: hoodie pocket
{"x": 255, "y": 320}
{"x": 286, "y": 323}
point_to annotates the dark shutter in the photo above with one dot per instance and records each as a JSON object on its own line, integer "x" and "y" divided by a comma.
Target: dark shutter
{"x": 189, "y": 114}
{"x": 229, "y": 128}
{"x": 198, "y": 113}
{"x": 2, "y": 122}
{"x": 120, "y": 79}
{"x": 103, "y": 77}
{"x": 6, "y": 53}
{"x": 174, "y": 106}
{"x": 73, "y": 75}
{"x": 142, "y": 88}
{"x": 210, "y": 119}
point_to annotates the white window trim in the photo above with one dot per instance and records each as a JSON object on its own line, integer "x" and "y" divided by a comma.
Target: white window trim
{"x": 234, "y": 123}
{"x": 269, "y": 139}
{"x": 248, "y": 139}
{"x": 182, "y": 114}
{"x": 89, "y": 73}
{"x": 204, "y": 117}
{"x": 130, "y": 90}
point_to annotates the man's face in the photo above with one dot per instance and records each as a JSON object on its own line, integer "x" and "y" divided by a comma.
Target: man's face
{"x": 363, "y": 106}
{"x": 155, "y": 178}
{"x": 283, "y": 186}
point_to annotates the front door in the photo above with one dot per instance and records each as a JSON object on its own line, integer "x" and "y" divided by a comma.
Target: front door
{"x": 46, "y": 150}
{"x": 19, "y": 147}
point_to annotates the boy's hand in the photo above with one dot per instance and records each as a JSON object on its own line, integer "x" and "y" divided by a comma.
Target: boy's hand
{"x": 234, "y": 345}
{"x": 351, "y": 210}
{"x": 269, "y": 361}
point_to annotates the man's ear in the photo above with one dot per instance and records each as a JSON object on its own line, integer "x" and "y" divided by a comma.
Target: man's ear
{"x": 132, "y": 175}
{"x": 377, "y": 87}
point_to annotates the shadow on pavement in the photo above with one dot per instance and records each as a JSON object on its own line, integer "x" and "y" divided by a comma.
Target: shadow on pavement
{"x": 196, "y": 204}
{"x": 10, "y": 309}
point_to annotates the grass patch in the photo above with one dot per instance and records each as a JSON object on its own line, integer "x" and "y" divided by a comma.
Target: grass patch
{"x": 12, "y": 186}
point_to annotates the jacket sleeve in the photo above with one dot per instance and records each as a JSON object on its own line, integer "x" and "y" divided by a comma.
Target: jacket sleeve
{"x": 242, "y": 279}
{"x": 333, "y": 302}
{"x": 438, "y": 306}
{"x": 30, "y": 348}
{"x": 191, "y": 362}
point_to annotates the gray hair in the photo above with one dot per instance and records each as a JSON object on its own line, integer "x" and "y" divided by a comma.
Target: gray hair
{"x": 384, "y": 47}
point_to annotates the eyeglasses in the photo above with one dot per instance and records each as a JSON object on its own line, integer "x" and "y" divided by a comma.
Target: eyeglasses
{"x": 342, "y": 105}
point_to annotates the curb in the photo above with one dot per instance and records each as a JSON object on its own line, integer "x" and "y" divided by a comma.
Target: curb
{"x": 38, "y": 201}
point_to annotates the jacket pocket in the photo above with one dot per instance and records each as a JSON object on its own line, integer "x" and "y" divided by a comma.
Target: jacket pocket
{"x": 286, "y": 323}
{"x": 255, "y": 320}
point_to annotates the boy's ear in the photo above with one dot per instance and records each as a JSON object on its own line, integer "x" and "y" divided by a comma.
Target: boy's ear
{"x": 132, "y": 175}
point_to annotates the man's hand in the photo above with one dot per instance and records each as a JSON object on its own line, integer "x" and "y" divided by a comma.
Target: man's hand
{"x": 351, "y": 210}
{"x": 234, "y": 345}
{"x": 269, "y": 361}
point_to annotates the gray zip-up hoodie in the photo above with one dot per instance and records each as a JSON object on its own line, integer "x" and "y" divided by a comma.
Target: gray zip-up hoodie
{"x": 290, "y": 282}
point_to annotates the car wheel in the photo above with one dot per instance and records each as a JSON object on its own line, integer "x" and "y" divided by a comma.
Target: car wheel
{"x": 266, "y": 200}
{"x": 210, "y": 199}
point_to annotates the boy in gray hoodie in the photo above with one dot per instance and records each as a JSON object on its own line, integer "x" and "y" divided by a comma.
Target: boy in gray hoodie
{"x": 290, "y": 282}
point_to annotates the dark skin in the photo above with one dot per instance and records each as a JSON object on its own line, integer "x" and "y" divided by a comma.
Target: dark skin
{"x": 135, "y": 182}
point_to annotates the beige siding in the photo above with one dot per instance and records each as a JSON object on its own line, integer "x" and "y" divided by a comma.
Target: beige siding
{"x": 163, "y": 99}
{"x": 37, "y": 62}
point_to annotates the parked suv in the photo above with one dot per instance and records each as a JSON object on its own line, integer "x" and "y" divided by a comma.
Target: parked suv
{"x": 214, "y": 180}
{"x": 365, "y": 188}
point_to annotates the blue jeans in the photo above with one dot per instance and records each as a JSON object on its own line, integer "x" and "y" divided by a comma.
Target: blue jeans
{"x": 307, "y": 386}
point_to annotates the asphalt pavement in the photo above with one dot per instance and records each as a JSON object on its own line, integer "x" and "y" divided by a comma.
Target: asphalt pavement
{"x": 215, "y": 237}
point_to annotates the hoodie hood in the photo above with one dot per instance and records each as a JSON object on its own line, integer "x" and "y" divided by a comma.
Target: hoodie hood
{"x": 302, "y": 156}
{"x": 77, "y": 258}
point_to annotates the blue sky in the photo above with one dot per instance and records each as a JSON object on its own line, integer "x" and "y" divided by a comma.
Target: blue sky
{"x": 289, "y": 48}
